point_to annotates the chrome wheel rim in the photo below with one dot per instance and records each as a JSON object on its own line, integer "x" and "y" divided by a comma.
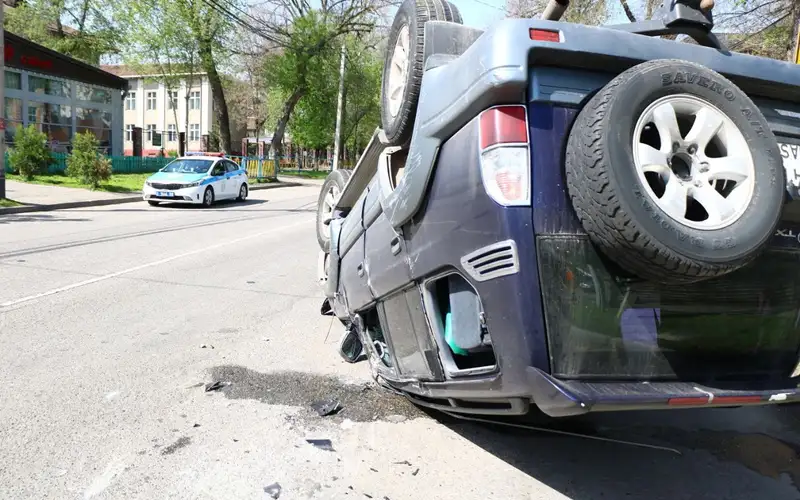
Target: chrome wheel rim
{"x": 398, "y": 71}
{"x": 694, "y": 162}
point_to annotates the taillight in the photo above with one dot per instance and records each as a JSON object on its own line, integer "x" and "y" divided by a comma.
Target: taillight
{"x": 505, "y": 164}
{"x": 540, "y": 35}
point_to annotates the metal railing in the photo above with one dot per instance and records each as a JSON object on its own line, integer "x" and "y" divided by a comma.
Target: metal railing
{"x": 119, "y": 164}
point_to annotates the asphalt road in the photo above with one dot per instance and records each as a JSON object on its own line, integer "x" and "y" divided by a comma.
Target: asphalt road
{"x": 111, "y": 319}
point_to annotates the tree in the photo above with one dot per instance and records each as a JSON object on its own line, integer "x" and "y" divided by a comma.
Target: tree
{"x": 301, "y": 39}
{"x": 77, "y": 28}
{"x": 160, "y": 43}
{"x": 30, "y": 155}
{"x": 85, "y": 163}
{"x": 314, "y": 121}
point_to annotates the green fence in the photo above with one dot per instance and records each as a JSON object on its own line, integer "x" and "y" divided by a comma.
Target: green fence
{"x": 119, "y": 164}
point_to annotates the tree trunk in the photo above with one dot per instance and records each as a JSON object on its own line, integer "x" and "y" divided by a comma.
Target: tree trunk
{"x": 280, "y": 127}
{"x": 628, "y": 11}
{"x": 221, "y": 107}
{"x": 794, "y": 41}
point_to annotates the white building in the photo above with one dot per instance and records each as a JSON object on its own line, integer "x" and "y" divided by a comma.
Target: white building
{"x": 147, "y": 105}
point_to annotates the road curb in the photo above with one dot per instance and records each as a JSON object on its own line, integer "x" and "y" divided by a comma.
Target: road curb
{"x": 71, "y": 204}
{"x": 273, "y": 185}
{"x": 111, "y": 201}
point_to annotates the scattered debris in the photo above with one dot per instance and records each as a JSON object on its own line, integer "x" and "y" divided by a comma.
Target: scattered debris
{"x": 368, "y": 496}
{"x": 373, "y": 469}
{"x": 177, "y": 445}
{"x": 235, "y": 440}
{"x": 326, "y": 408}
{"x": 396, "y": 419}
{"x": 196, "y": 425}
{"x": 273, "y": 490}
{"x": 404, "y": 462}
{"x": 251, "y": 282}
{"x": 347, "y": 424}
{"x": 322, "y": 444}
{"x": 206, "y": 346}
{"x": 214, "y": 386}
{"x": 415, "y": 472}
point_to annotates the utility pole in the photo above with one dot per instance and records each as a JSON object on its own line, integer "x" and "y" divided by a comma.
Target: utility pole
{"x": 338, "y": 139}
{"x": 2, "y": 107}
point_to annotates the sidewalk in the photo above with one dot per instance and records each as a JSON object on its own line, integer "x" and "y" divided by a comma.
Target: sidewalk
{"x": 41, "y": 198}
{"x": 37, "y": 197}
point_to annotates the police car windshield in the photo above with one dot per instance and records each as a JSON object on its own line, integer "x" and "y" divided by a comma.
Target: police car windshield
{"x": 189, "y": 166}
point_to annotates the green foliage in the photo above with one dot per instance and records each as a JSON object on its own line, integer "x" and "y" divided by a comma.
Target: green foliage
{"x": 30, "y": 155}
{"x": 86, "y": 163}
{"x": 172, "y": 153}
{"x": 313, "y": 121}
{"x": 76, "y": 28}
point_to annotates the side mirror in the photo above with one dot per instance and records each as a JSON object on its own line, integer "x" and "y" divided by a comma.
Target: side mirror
{"x": 350, "y": 347}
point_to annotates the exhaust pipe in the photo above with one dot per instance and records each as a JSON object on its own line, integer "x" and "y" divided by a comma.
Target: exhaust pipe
{"x": 555, "y": 9}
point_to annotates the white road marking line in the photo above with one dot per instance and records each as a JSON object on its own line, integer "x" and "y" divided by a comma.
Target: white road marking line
{"x": 144, "y": 266}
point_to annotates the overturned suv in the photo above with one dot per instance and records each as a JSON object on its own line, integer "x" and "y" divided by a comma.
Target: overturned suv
{"x": 570, "y": 219}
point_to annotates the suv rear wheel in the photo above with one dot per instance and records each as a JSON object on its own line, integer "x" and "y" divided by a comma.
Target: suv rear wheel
{"x": 402, "y": 70}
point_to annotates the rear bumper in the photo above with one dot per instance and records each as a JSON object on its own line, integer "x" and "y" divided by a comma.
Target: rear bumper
{"x": 564, "y": 398}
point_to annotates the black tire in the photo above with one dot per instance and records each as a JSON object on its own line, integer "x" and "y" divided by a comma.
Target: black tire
{"x": 414, "y": 14}
{"x": 152, "y": 203}
{"x": 243, "y": 190}
{"x": 338, "y": 179}
{"x": 613, "y": 204}
{"x": 208, "y": 197}
{"x": 451, "y": 13}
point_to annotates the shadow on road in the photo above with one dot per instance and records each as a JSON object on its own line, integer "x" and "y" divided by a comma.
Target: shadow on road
{"x": 732, "y": 454}
{"x": 38, "y": 217}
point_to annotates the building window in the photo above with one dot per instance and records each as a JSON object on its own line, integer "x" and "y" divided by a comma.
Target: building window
{"x": 13, "y": 80}
{"x": 55, "y": 120}
{"x": 172, "y": 133}
{"x": 151, "y": 101}
{"x": 172, "y": 95}
{"x": 130, "y": 101}
{"x": 13, "y": 118}
{"x": 194, "y": 99}
{"x": 93, "y": 118}
{"x": 85, "y": 92}
{"x": 194, "y": 132}
{"x": 129, "y": 133}
{"x": 48, "y": 86}
{"x": 151, "y": 129}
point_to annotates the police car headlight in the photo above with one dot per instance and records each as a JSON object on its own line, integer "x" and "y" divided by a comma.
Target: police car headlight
{"x": 148, "y": 183}
{"x": 192, "y": 184}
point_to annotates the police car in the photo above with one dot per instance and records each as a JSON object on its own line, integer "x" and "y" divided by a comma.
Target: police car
{"x": 197, "y": 179}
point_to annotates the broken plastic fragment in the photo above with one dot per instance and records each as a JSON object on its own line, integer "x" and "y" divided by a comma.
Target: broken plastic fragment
{"x": 273, "y": 490}
{"x": 325, "y": 408}
{"x": 213, "y": 386}
{"x": 322, "y": 444}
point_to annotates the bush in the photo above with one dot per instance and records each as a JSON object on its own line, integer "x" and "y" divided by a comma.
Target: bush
{"x": 172, "y": 153}
{"x": 30, "y": 155}
{"x": 85, "y": 163}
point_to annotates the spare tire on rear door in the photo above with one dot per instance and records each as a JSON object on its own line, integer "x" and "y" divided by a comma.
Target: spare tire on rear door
{"x": 674, "y": 173}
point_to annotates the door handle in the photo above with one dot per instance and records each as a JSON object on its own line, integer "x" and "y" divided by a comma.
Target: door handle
{"x": 360, "y": 270}
{"x": 395, "y": 245}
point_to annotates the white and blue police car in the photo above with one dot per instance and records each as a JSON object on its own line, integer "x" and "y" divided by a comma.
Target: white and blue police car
{"x": 197, "y": 179}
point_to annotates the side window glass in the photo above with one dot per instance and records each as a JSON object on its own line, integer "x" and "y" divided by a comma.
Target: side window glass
{"x": 218, "y": 169}
{"x": 232, "y": 167}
